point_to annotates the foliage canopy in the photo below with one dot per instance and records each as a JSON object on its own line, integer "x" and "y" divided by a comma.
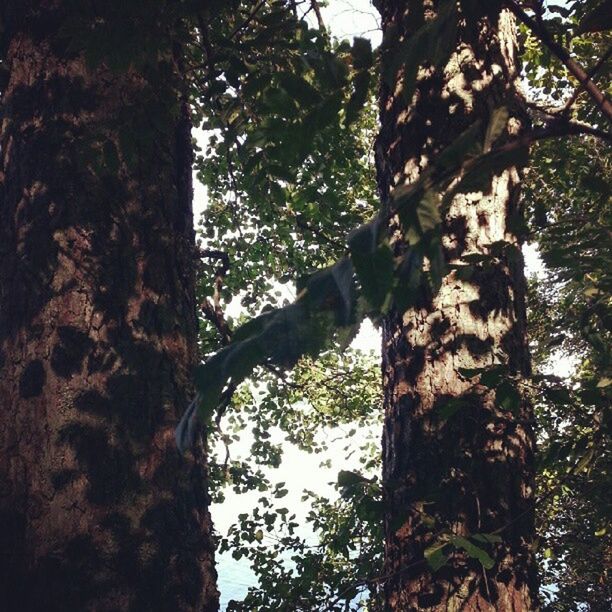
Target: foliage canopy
{"x": 288, "y": 119}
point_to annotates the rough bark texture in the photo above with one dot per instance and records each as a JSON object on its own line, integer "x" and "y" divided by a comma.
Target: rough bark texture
{"x": 98, "y": 511}
{"x": 471, "y": 473}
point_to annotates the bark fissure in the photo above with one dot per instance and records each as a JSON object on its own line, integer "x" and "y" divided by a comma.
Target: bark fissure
{"x": 97, "y": 334}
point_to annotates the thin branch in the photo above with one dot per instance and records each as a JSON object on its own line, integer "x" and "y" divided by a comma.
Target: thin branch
{"x": 560, "y": 127}
{"x": 317, "y": 10}
{"x": 563, "y": 55}
{"x": 213, "y": 310}
{"x": 214, "y": 313}
{"x": 591, "y": 74}
{"x": 226, "y": 399}
{"x": 248, "y": 20}
{"x": 556, "y": 128}
{"x": 294, "y": 9}
{"x": 233, "y": 203}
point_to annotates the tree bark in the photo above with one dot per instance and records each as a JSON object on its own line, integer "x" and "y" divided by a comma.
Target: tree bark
{"x": 98, "y": 511}
{"x": 471, "y": 472}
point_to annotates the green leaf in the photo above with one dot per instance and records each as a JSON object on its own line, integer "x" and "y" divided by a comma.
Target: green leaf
{"x": 437, "y": 264}
{"x": 471, "y": 372}
{"x": 450, "y": 407}
{"x": 435, "y": 556}
{"x": 487, "y": 538}
{"x": 361, "y": 86}
{"x": 292, "y": 333}
{"x": 407, "y": 196}
{"x": 410, "y": 275}
{"x": 186, "y": 433}
{"x": 497, "y": 124}
{"x": 585, "y": 461}
{"x": 473, "y": 551}
{"x": 466, "y": 146}
{"x": 373, "y": 263}
{"x": 464, "y": 273}
{"x": 558, "y": 395}
{"x": 343, "y": 274}
{"x": 492, "y": 376}
{"x": 209, "y": 382}
{"x": 333, "y": 289}
{"x": 507, "y": 397}
{"x": 433, "y": 44}
{"x": 242, "y": 358}
{"x": 480, "y": 174}
{"x": 428, "y": 211}
{"x": 299, "y": 89}
{"x": 549, "y": 554}
{"x": 489, "y": 377}
{"x": 351, "y": 483}
{"x": 253, "y": 327}
{"x": 347, "y": 478}
{"x": 361, "y": 52}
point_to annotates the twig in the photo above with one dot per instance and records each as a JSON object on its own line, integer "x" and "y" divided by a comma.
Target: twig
{"x": 226, "y": 398}
{"x": 563, "y": 55}
{"x": 248, "y": 20}
{"x": 234, "y": 205}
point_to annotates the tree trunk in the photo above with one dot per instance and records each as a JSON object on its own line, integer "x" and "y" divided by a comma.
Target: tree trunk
{"x": 452, "y": 476}
{"x": 97, "y": 325}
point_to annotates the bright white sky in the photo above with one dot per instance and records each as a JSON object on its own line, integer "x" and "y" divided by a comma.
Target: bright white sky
{"x": 349, "y": 18}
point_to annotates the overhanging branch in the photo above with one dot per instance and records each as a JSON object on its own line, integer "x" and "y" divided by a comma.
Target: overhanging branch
{"x": 563, "y": 55}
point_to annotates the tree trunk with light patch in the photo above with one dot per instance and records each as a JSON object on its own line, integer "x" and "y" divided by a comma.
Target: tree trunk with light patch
{"x": 97, "y": 327}
{"x": 468, "y": 469}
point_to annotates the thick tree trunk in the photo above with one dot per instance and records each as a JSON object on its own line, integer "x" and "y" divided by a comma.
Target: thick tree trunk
{"x": 471, "y": 472}
{"x": 98, "y": 511}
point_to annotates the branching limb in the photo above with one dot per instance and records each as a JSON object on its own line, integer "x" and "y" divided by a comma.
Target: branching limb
{"x": 317, "y": 10}
{"x": 214, "y": 313}
{"x": 248, "y": 20}
{"x": 563, "y": 55}
{"x": 591, "y": 74}
{"x": 226, "y": 399}
{"x": 212, "y": 309}
{"x": 561, "y": 127}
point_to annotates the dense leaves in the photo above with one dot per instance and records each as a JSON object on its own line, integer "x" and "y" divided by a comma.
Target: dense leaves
{"x": 286, "y": 121}
{"x": 286, "y": 167}
{"x": 329, "y": 299}
{"x": 570, "y": 319}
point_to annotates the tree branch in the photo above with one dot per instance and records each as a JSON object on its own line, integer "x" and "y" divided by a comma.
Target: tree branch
{"x": 212, "y": 310}
{"x": 248, "y": 20}
{"x": 563, "y": 55}
{"x": 561, "y": 127}
{"x": 590, "y": 75}
{"x": 317, "y": 9}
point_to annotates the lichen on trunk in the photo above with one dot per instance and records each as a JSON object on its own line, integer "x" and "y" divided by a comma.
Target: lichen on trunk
{"x": 97, "y": 329}
{"x": 456, "y": 464}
